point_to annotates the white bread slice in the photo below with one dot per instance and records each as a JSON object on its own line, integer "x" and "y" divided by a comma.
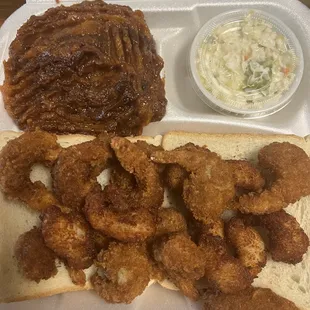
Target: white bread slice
{"x": 289, "y": 281}
{"x": 16, "y": 218}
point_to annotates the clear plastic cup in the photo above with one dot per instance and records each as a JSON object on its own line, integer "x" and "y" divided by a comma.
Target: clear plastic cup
{"x": 269, "y": 106}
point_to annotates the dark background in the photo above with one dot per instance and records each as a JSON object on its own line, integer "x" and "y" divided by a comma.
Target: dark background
{"x": 7, "y": 7}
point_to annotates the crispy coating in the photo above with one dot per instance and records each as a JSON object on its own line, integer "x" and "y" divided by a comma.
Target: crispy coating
{"x": 126, "y": 273}
{"x": 249, "y": 299}
{"x": 222, "y": 271}
{"x": 69, "y": 236}
{"x": 78, "y": 277}
{"x": 16, "y": 160}
{"x": 110, "y": 214}
{"x": 169, "y": 220}
{"x": 76, "y": 170}
{"x": 246, "y": 175}
{"x": 248, "y": 243}
{"x": 182, "y": 260}
{"x": 174, "y": 177}
{"x": 210, "y": 185}
{"x": 149, "y": 193}
{"x": 101, "y": 240}
{"x": 290, "y": 167}
{"x": 287, "y": 240}
{"x": 35, "y": 260}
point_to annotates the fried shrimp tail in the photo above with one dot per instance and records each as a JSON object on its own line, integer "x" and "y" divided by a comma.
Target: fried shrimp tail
{"x": 76, "y": 170}
{"x": 16, "y": 160}
{"x": 35, "y": 260}
{"x": 124, "y": 273}
{"x": 69, "y": 236}
{"x": 182, "y": 260}
{"x": 249, "y": 245}
{"x": 289, "y": 167}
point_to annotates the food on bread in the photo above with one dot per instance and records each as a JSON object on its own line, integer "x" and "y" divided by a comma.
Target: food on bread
{"x": 209, "y": 186}
{"x": 249, "y": 245}
{"x": 69, "y": 236}
{"x": 77, "y": 168}
{"x": 16, "y": 160}
{"x": 287, "y": 240}
{"x": 249, "y": 299}
{"x": 182, "y": 260}
{"x": 87, "y": 68}
{"x": 35, "y": 260}
{"x": 125, "y": 272}
{"x": 223, "y": 272}
{"x": 290, "y": 168}
{"x": 121, "y": 221}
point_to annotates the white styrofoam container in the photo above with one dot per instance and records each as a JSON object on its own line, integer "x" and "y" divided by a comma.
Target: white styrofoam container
{"x": 174, "y": 25}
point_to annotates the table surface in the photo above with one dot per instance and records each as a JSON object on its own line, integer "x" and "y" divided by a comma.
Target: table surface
{"x": 7, "y": 7}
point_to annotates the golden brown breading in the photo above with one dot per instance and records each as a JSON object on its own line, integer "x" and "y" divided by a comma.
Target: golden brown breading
{"x": 182, "y": 260}
{"x": 210, "y": 185}
{"x": 223, "y": 272}
{"x": 16, "y": 160}
{"x": 149, "y": 193}
{"x": 126, "y": 273}
{"x": 249, "y": 299}
{"x": 35, "y": 260}
{"x": 248, "y": 244}
{"x": 174, "y": 177}
{"x": 76, "y": 170}
{"x": 69, "y": 236}
{"x": 290, "y": 166}
{"x": 246, "y": 175}
{"x": 169, "y": 220}
{"x": 101, "y": 240}
{"x": 288, "y": 242}
{"x": 78, "y": 277}
{"x": 111, "y": 215}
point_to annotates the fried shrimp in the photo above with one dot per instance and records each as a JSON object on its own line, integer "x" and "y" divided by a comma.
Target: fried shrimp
{"x": 16, "y": 160}
{"x": 126, "y": 273}
{"x": 169, "y": 220}
{"x": 174, "y": 177}
{"x": 149, "y": 193}
{"x": 76, "y": 170}
{"x": 210, "y": 185}
{"x": 77, "y": 276}
{"x": 249, "y": 299}
{"x": 290, "y": 167}
{"x": 182, "y": 260}
{"x": 35, "y": 260}
{"x": 246, "y": 175}
{"x": 249, "y": 245}
{"x": 287, "y": 240}
{"x": 69, "y": 236}
{"x": 109, "y": 212}
{"x": 223, "y": 272}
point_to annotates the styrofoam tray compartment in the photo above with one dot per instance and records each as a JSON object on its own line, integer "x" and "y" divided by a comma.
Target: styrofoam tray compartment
{"x": 174, "y": 25}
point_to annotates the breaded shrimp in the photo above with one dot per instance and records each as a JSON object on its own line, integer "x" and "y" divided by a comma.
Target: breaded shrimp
{"x": 124, "y": 272}
{"x": 16, "y": 160}
{"x": 248, "y": 244}
{"x": 69, "y": 236}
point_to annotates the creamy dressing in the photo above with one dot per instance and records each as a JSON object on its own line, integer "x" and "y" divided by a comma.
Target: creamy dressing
{"x": 246, "y": 63}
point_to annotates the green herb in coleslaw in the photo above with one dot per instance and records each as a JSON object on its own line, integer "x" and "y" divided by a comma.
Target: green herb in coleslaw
{"x": 246, "y": 61}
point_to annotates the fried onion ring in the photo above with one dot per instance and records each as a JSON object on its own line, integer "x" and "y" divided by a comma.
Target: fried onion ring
{"x": 16, "y": 160}
{"x": 69, "y": 236}
{"x": 126, "y": 273}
